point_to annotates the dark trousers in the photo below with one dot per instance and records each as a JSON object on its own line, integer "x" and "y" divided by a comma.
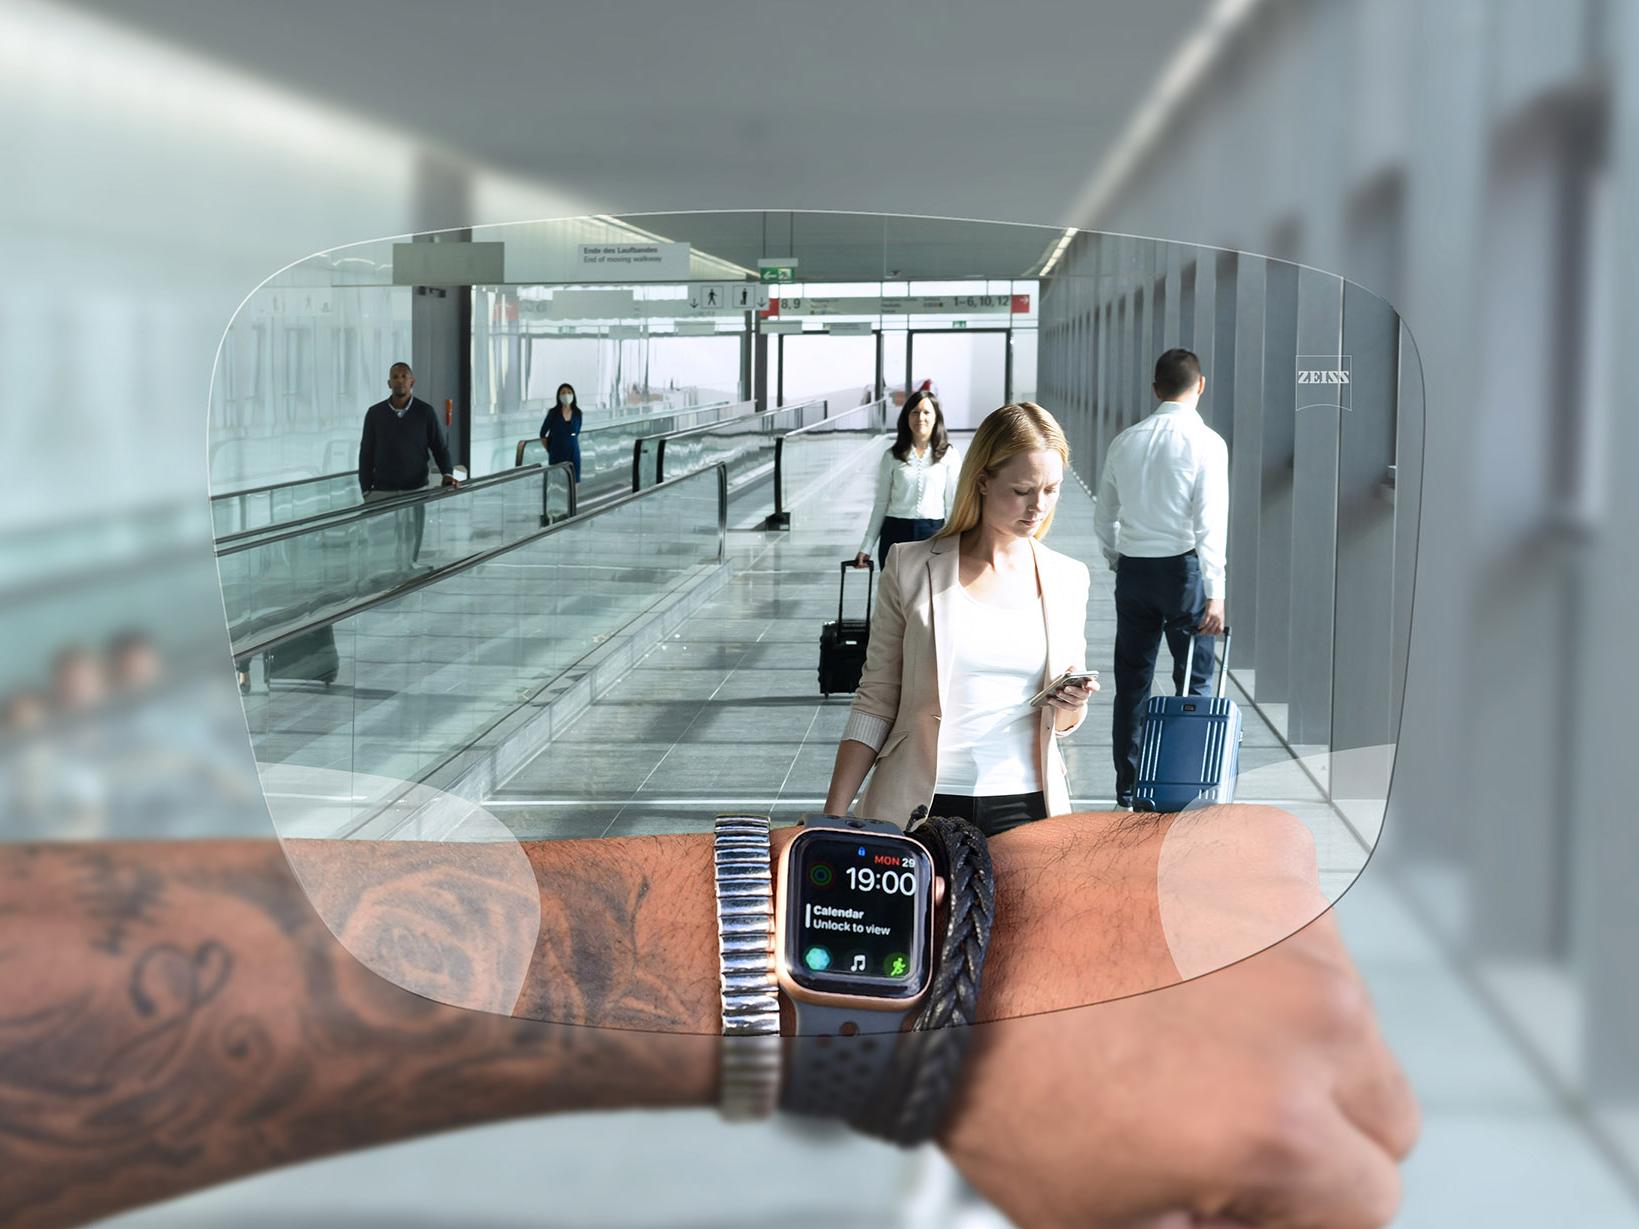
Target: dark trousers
{"x": 1153, "y": 597}
{"x": 993, "y": 814}
{"x": 897, "y": 529}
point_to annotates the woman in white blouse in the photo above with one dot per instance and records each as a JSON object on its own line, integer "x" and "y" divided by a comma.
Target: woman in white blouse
{"x": 915, "y": 481}
{"x": 969, "y": 626}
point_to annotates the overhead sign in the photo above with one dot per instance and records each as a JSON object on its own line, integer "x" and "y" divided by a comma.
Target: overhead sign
{"x": 782, "y": 326}
{"x": 777, "y": 269}
{"x": 727, "y": 296}
{"x": 634, "y": 262}
{"x": 696, "y": 328}
{"x": 851, "y": 328}
{"x": 706, "y": 296}
{"x": 905, "y": 305}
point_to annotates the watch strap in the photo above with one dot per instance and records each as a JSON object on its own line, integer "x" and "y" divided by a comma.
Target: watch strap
{"x": 832, "y": 1070}
{"x": 915, "y": 1096}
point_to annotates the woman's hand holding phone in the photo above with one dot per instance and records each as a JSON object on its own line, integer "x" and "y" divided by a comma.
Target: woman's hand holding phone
{"x": 1069, "y": 692}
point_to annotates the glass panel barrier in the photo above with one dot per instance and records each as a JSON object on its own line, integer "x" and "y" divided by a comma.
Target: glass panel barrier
{"x": 258, "y": 507}
{"x": 559, "y": 498}
{"x": 497, "y": 449}
{"x": 345, "y": 512}
{"x": 271, "y": 584}
{"x": 744, "y": 445}
{"x": 606, "y": 451}
{"x": 496, "y": 436}
{"x": 421, "y": 676}
{"x": 809, "y": 456}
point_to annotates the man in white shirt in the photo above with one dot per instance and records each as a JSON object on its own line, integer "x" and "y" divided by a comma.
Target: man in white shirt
{"x": 1162, "y": 519}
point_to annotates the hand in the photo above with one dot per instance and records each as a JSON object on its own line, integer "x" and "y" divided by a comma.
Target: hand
{"x": 451, "y": 480}
{"x": 1212, "y": 622}
{"x": 861, "y": 559}
{"x": 1258, "y": 1094}
{"x": 1071, "y": 699}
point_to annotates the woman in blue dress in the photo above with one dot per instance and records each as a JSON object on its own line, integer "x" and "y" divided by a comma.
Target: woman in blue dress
{"x": 560, "y": 430}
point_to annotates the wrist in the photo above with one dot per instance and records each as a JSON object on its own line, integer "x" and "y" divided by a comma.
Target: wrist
{"x": 1056, "y": 944}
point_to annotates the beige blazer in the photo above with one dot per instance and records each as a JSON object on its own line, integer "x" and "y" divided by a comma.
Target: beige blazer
{"x": 907, "y": 670}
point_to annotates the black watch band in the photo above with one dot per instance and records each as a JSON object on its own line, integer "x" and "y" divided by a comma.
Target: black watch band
{"x": 912, "y": 1100}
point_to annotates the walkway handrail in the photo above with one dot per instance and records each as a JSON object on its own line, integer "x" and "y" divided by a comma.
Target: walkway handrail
{"x": 226, "y": 544}
{"x": 518, "y": 452}
{"x": 437, "y": 574}
{"x": 781, "y": 517}
{"x": 279, "y": 486}
{"x": 659, "y": 441}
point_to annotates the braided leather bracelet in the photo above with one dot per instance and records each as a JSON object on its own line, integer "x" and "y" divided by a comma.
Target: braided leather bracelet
{"x": 912, "y": 1105}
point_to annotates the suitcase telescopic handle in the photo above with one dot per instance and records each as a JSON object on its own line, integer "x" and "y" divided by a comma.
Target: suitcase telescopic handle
{"x": 1223, "y": 663}
{"x": 870, "y": 573}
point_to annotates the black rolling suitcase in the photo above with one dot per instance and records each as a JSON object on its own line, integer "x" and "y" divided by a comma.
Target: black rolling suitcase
{"x": 843, "y": 643}
{"x": 311, "y": 658}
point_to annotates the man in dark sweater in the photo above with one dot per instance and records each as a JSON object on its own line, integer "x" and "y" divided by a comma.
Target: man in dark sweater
{"x": 398, "y": 434}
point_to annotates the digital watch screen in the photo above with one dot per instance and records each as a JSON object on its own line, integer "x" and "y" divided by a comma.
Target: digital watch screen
{"x": 857, "y": 914}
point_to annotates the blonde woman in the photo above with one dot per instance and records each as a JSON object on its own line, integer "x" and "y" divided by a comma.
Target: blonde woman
{"x": 969, "y": 626}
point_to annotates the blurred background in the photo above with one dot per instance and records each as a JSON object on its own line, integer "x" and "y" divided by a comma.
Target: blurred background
{"x": 1475, "y": 163}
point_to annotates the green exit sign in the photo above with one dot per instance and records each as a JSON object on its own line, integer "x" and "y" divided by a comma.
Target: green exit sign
{"x": 778, "y": 273}
{"x": 958, "y": 324}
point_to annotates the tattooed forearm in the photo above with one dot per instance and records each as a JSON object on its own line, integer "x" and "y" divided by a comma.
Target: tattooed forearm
{"x": 175, "y": 1014}
{"x": 116, "y": 894}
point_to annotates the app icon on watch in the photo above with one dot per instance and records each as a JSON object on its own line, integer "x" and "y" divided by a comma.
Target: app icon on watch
{"x": 817, "y": 958}
{"x": 820, "y": 875}
{"x": 897, "y": 965}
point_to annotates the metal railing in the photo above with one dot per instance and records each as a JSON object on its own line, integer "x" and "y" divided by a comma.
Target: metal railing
{"x": 442, "y": 658}
{"x": 807, "y": 454}
{"x": 231, "y": 511}
{"x": 283, "y": 580}
{"x": 741, "y": 443}
{"x": 336, "y": 515}
{"x": 604, "y": 449}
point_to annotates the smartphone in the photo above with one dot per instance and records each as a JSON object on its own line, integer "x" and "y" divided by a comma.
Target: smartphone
{"x": 1063, "y": 680}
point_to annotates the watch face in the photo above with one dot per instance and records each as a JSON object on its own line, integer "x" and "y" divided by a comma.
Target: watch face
{"x": 857, "y": 920}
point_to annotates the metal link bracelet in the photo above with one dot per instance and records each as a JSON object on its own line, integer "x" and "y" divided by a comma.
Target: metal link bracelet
{"x": 751, "y": 1050}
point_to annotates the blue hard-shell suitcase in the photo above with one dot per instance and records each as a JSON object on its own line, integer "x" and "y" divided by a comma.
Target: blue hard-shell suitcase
{"x": 1190, "y": 749}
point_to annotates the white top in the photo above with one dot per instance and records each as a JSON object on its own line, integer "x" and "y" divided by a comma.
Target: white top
{"x": 988, "y": 732}
{"x": 1165, "y": 491}
{"x": 917, "y": 489}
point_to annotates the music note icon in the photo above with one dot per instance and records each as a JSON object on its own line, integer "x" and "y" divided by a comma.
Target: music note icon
{"x": 859, "y": 963}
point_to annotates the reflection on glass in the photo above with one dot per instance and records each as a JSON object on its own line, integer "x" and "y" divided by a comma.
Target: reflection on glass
{"x": 696, "y": 371}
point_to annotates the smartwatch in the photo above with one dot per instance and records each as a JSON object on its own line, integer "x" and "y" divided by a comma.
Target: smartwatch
{"x": 854, "y": 922}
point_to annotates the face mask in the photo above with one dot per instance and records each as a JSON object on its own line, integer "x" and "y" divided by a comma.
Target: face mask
{"x": 564, "y": 399}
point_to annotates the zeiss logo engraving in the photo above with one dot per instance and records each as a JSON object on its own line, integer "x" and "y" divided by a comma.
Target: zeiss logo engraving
{"x": 1323, "y": 381}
